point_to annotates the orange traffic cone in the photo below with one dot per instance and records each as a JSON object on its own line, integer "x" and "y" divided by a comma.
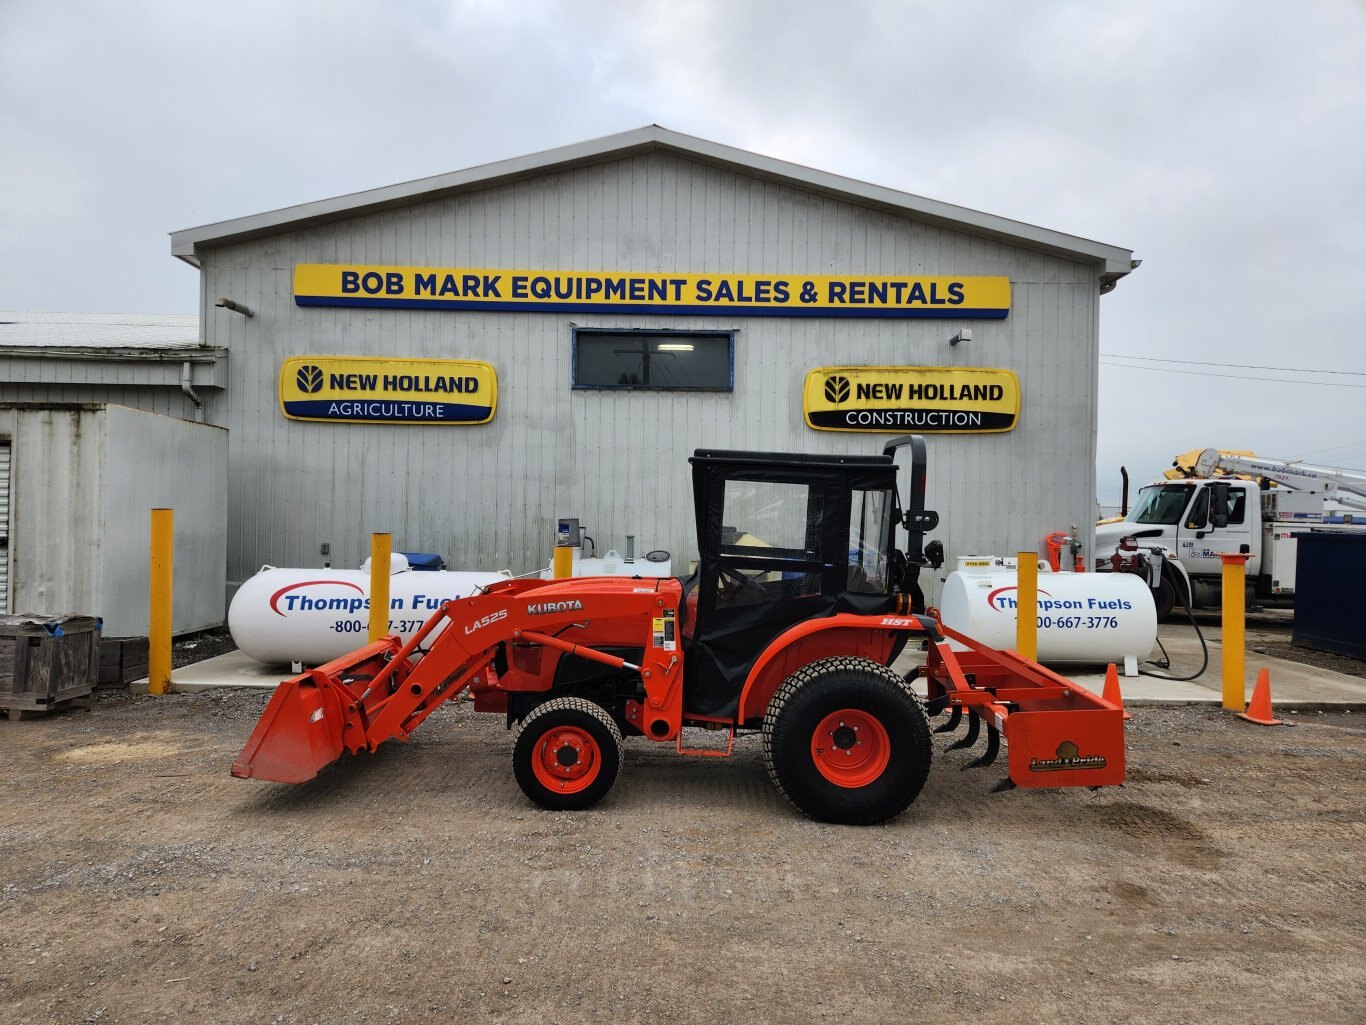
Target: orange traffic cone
{"x": 1259, "y": 708}
{"x": 1111, "y": 693}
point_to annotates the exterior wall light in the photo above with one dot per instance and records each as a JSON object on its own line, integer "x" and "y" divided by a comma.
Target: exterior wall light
{"x": 236, "y": 307}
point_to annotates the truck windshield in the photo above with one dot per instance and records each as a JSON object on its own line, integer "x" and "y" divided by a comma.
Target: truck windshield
{"x": 1162, "y": 504}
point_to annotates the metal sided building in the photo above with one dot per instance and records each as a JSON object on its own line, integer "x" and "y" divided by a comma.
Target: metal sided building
{"x": 98, "y": 425}
{"x": 462, "y": 360}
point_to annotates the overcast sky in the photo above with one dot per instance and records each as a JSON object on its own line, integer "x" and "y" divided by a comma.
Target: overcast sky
{"x": 1223, "y": 142}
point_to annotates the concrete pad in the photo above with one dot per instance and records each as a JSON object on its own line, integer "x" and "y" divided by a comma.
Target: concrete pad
{"x": 235, "y": 669}
{"x": 1294, "y": 686}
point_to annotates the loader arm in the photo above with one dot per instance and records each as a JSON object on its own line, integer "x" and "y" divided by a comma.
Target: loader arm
{"x": 385, "y": 690}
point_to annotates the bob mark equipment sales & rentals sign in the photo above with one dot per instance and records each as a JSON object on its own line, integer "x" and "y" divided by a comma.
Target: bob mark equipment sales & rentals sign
{"x": 938, "y": 400}
{"x": 547, "y": 291}
{"x": 369, "y": 389}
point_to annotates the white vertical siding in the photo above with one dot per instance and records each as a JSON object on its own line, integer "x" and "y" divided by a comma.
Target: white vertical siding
{"x": 4, "y": 523}
{"x": 487, "y": 496}
{"x": 84, "y": 479}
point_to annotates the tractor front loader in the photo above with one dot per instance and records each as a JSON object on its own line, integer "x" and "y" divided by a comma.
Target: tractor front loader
{"x": 800, "y": 603}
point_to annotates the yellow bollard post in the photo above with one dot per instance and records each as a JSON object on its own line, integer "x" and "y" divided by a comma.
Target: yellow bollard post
{"x": 380, "y": 545}
{"x": 1234, "y": 630}
{"x": 159, "y": 602}
{"x": 562, "y": 563}
{"x": 1027, "y": 605}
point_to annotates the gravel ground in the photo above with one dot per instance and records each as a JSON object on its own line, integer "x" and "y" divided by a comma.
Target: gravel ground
{"x": 186, "y": 651}
{"x": 140, "y": 883}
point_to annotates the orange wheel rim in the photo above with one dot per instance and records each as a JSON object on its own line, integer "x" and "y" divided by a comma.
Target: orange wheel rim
{"x": 851, "y": 748}
{"x": 566, "y": 760}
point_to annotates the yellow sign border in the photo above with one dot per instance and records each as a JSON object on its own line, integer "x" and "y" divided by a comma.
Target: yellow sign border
{"x": 934, "y": 404}
{"x": 291, "y": 364}
{"x": 912, "y": 296}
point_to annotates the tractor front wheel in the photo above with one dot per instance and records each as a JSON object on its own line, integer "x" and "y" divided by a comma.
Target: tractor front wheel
{"x": 846, "y": 740}
{"x": 567, "y": 754}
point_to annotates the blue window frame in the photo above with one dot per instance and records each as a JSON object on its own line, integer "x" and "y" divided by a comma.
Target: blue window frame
{"x": 654, "y": 360}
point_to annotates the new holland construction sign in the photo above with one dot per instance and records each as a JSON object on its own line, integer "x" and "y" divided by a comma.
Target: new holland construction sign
{"x": 937, "y": 400}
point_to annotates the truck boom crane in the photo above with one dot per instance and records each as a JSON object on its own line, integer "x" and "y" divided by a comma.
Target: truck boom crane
{"x": 1347, "y": 487}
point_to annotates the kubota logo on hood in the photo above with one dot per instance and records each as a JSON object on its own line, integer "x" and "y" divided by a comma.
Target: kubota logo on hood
{"x": 304, "y": 602}
{"x": 545, "y": 608}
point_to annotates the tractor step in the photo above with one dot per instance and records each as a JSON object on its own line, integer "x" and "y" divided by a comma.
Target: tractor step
{"x": 708, "y": 752}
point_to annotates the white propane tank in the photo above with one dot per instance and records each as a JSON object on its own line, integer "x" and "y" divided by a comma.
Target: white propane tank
{"x": 1083, "y": 617}
{"x": 315, "y": 615}
{"x": 656, "y": 564}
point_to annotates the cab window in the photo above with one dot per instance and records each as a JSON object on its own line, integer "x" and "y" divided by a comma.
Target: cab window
{"x": 1237, "y": 505}
{"x": 1198, "y": 517}
{"x": 870, "y": 522}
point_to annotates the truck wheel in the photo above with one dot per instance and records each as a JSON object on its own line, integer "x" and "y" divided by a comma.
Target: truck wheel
{"x": 1166, "y": 597}
{"x": 567, "y": 754}
{"x": 846, "y": 740}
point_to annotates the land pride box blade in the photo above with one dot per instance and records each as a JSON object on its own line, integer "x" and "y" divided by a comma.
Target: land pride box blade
{"x": 1066, "y": 748}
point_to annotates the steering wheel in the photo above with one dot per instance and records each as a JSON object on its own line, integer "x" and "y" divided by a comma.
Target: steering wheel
{"x": 732, "y": 583}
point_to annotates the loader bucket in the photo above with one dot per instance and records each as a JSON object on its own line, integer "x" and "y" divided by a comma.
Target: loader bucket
{"x": 299, "y": 733}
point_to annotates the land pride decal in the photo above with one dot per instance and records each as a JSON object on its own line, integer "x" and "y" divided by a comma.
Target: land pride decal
{"x": 368, "y": 389}
{"x": 939, "y": 400}
{"x": 546, "y": 291}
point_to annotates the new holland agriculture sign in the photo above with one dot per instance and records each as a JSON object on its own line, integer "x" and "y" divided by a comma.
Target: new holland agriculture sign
{"x": 940, "y": 400}
{"x": 546, "y": 291}
{"x": 364, "y": 389}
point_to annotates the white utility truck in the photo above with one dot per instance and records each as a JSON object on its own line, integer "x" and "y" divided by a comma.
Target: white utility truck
{"x": 1183, "y": 526}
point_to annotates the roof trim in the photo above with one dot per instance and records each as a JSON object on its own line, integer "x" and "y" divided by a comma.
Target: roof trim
{"x": 1114, "y": 261}
{"x": 117, "y": 354}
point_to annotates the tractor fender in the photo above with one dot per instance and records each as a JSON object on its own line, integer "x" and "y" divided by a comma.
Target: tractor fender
{"x": 845, "y": 633}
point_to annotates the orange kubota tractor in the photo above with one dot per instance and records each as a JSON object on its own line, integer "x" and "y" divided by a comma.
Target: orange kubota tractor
{"x": 800, "y": 603}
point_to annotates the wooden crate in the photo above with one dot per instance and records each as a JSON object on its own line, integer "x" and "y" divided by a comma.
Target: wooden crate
{"x": 47, "y": 661}
{"x": 122, "y": 660}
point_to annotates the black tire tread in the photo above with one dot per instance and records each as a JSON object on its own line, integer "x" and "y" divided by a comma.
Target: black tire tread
{"x": 578, "y": 705}
{"x": 567, "y": 704}
{"x": 814, "y": 670}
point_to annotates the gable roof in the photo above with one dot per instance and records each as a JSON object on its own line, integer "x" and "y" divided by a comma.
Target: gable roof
{"x": 1114, "y": 262}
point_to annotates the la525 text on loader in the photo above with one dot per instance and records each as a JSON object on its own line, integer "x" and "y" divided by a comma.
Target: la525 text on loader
{"x": 800, "y": 603}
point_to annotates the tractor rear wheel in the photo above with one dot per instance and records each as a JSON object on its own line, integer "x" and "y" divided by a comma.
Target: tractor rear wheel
{"x": 847, "y": 740}
{"x": 567, "y": 754}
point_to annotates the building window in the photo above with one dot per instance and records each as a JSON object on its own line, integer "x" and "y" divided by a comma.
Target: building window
{"x": 655, "y": 360}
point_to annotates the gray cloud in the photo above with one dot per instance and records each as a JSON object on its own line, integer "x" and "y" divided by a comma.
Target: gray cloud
{"x": 1221, "y": 141}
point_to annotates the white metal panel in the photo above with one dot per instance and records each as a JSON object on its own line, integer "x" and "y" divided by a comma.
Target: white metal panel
{"x": 55, "y": 529}
{"x": 156, "y": 462}
{"x": 86, "y": 477}
{"x": 487, "y": 497}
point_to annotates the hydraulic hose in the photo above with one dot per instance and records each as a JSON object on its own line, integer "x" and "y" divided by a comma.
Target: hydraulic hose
{"x": 1166, "y": 663}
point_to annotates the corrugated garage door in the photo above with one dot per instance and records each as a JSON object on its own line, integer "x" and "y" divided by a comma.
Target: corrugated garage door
{"x": 4, "y": 527}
